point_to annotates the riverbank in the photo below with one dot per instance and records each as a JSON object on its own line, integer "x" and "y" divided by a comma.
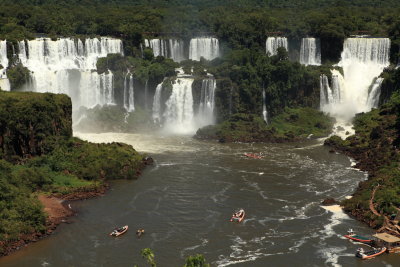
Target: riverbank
{"x": 375, "y": 147}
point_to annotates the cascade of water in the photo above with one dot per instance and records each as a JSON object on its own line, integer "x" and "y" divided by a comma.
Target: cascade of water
{"x": 265, "y": 112}
{"x": 146, "y": 89}
{"x": 179, "y": 107}
{"x": 205, "y": 114}
{"x": 273, "y": 43}
{"x": 157, "y": 117}
{"x": 3, "y": 59}
{"x": 159, "y": 47}
{"x": 4, "y": 82}
{"x": 310, "y": 51}
{"x": 131, "y": 106}
{"x": 374, "y": 93}
{"x": 363, "y": 60}
{"x": 126, "y": 93}
{"x": 68, "y": 66}
{"x": 176, "y": 48}
{"x": 206, "y": 47}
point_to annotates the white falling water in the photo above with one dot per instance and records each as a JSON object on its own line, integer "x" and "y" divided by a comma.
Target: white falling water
{"x": 264, "y": 113}
{"x": 179, "y": 108}
{"x": 375, "y": 93}
{"x": 129, "y": 97}
{"x": 68, "y": 66}
{"x": 3, "y": 59}
{"x": 363, "y": 60}
{"x": 4, "y": 82}
{"x": 170, "y": 48}
{"x": 310, "y": 52}
{"x": 159, "y": 47}
{"x": 157, "y": 116}
{"x": 206, "y": 47}
{"x": 205, "y": 115}
{"x": 273, "y": 43}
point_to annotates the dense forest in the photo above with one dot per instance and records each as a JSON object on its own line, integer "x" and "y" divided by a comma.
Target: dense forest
{"x": 331, "y": 21}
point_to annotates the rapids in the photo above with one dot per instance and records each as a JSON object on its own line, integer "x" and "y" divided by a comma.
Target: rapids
{"x": 184, "y": 203}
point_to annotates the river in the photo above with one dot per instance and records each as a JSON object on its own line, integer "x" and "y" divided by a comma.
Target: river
{"x": 185, "y": 200}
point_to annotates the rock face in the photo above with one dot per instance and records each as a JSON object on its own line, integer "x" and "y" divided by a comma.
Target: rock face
{"x": 28, "y": 120}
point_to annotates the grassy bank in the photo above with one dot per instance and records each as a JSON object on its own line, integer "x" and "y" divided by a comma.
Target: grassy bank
{"x": 375, "y": 145}
{"x": 291, "y": 125}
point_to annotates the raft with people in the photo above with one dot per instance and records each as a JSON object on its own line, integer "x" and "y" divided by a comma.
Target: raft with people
{"x": 238, "y": 216}
{"x": 119, "y": 231}
{"x": 361, "y": 253}
{"x": 358, "y": 238}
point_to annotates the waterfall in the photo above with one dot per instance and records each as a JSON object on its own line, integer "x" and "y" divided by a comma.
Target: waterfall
{"x": 179, "y": 107}
{"x": 264, "y": 113}
{"x": 358, "y": 90}
{"x": 170, "y": 48}
{"x": 146, "y": 89}
{"x": 159, "y": 47}
{"x": 129, "y": 97}
{"x": 68, "y": 66}
{"x": 205, "y": 115}
{"x": 131, "y": 106}
{"x": 310, "y": 51}
{"x": 4, "y": 82}
{"x": 374, "y": 93}
{"x": 273, "y": 43}
{"x": 157, "y": 117}
{"x": 206, "y": 47}
{"x": 3, "y": 59}
{"x": 176, "y": 48}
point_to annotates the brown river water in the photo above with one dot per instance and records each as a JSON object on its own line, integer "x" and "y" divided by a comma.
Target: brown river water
{"x": 184, "y": 203}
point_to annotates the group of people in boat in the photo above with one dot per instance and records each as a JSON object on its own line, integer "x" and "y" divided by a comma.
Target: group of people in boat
{"x": 238, "y": 216}
{"x": 122, "y": 230}
{"x": 361, "y": 253}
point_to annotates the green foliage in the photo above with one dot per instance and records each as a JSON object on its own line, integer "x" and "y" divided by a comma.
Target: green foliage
{"x": 18, "y": 76}
{"x": 292, "y": 125}
{"x": 148, "y": 254}
{"x": 374, "y": 146}
{"x": 114, "y": 119}
{"x": 35, "y": 132}
{"x": 28, "y": 119}
{"x": 196, "y": 261}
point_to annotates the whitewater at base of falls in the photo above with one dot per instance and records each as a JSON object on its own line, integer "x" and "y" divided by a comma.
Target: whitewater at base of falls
{"x": 179, "y": 108}
{"x": 358, "y": 90}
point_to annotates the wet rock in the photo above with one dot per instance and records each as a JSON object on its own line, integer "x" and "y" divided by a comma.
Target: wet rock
{"x": 329, "y": 201}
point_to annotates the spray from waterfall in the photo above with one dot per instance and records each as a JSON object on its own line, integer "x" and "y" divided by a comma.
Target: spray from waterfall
{"x": 358, "y": 90}
{"x": 179, "y": 108}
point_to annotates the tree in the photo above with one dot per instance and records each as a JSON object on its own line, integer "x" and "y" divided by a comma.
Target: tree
{"x": 148, "y": 254}
{"x": 196, "y": 261}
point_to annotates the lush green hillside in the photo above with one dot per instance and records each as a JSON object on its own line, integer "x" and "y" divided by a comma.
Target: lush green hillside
{"x": 38, "y": 154}
{"x": 330, "y": 20}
